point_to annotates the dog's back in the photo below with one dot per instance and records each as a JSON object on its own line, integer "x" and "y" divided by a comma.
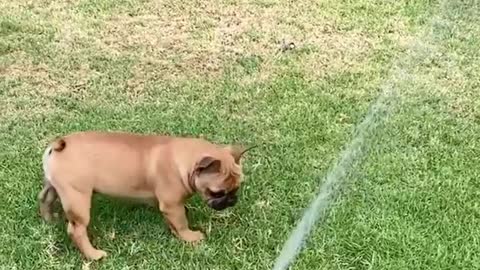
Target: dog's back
{"x": 111, "y": 163}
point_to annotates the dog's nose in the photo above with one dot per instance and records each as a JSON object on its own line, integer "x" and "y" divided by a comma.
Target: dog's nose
{"x": 232, "y": 200}
{"x": 218, "y": 204}
{"x": 222, "y": 203}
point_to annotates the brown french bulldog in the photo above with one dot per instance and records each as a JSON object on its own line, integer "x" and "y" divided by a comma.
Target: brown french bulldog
{"x": 164, "y": 169}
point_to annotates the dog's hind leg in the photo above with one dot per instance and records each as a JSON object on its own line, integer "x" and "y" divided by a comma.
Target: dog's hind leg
{"x": 76, "y": 206}
{"x": 48, "y": 195}
{"x": 46, "y": 198}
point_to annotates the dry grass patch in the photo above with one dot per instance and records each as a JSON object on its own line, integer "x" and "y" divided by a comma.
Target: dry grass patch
{"x": 201, "y": 38}
{"x": 41, "y": 39}
{"x": 170, "y": 41}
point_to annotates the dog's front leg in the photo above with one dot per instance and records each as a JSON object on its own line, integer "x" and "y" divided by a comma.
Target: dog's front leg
{"x": 176, "y": 218}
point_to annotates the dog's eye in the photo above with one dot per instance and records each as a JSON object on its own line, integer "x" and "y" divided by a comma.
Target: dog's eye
{"x": 217, "y": 194}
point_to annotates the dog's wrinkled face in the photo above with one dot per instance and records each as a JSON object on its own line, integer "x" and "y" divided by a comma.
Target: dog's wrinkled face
{"x": 218, "y": 177}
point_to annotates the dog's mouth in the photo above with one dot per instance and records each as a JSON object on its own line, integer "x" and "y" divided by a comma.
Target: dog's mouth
{"x": 221, "y": 200}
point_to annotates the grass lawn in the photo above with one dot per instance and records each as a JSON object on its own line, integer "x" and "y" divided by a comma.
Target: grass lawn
{"x": 214, "y": 69}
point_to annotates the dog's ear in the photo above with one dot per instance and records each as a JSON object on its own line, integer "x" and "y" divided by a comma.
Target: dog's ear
{"x": 237, "y": 151}
{"x": 208, "y": 164}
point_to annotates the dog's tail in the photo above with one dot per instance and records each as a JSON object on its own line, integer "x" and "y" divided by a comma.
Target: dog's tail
{"x": 59, "y": 144}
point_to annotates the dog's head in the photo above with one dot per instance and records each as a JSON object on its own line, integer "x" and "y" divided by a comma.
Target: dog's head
{"x": 217, "y": 176}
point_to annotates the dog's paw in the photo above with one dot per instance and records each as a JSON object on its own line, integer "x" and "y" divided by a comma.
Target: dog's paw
{"x": 96, "y": 254}
{"x": 192, "y": 236}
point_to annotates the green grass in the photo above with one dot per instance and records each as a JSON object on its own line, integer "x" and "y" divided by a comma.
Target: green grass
{"x": 213, "y": 70}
